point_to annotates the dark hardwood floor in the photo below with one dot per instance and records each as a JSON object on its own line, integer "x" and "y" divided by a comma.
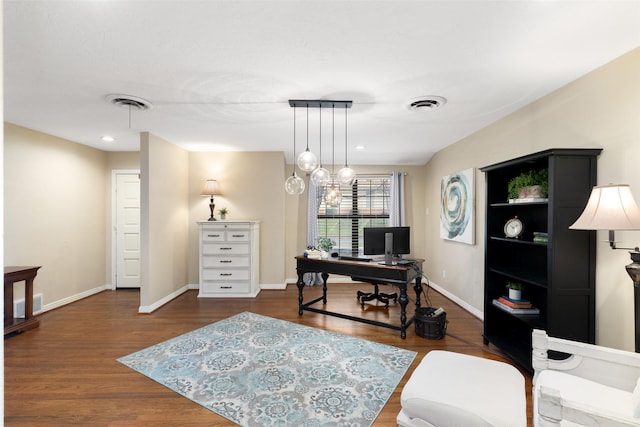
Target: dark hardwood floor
{"x": 65, "y": 372}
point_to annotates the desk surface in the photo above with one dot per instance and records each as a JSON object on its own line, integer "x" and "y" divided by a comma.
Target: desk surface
{"x": 372, "y": 270}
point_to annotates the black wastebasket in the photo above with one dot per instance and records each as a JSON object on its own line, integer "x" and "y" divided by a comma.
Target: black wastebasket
{"x": 430, "y": 326}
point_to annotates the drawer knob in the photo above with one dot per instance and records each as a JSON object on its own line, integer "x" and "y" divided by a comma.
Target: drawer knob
{"x": 213, "y": 235}
{"x": 226, "y": 274}
{"x": 225, "y": 249}
{"x": 225, "y": 261}
{"x": 226, "y": 287}
{"x": 237, "y": 235}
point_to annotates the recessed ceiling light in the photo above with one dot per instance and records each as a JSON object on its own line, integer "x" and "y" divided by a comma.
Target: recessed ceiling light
{"x": 359, "y": 147}
{"x": 426, "y": 103}
{"x": 107, "y": 138}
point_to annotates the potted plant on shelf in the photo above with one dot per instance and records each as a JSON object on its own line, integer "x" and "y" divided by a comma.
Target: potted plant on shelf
{"x": 528, "y": 186}
{"x": 515, "y": 290}
{"x": 223, "y": 213}
{"x": 325, "y": 245}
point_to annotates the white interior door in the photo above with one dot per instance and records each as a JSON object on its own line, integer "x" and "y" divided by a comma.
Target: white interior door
{"x": 127, "y": 230}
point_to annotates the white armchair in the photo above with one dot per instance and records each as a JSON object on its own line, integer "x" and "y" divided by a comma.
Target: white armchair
{"x": 595, "y": 386}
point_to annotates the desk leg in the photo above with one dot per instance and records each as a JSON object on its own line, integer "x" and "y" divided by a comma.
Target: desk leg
{"x": 325, "y": 277}
{"x": 300, "y": 285}
{"x": 403, "y": 300}
{"x": 418, "y": 288}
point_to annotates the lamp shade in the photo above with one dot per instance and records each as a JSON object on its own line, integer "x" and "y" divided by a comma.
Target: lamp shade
{"x": 210, "y": 188}
{"x": 610, "y": 207}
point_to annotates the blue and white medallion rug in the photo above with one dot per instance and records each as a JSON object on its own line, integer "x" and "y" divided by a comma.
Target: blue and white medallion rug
{"x": 260, "y": 371}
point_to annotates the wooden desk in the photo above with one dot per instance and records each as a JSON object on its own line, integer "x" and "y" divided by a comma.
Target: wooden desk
{"x": 400, "y": 276}
{"x": 11, "y": 276}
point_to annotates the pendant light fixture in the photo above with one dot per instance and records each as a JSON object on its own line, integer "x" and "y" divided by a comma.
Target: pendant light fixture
{"x": 294, "y": 184}
{"x": 307, "y": 161}
{"x": 332, "y": 195}
{"x": 320, "y": 176}
{"x": 346, "y": 175}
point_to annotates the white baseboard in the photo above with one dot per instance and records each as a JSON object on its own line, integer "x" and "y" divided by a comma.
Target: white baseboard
{"x": 479, "y": 314}
{"x": 146, "y": 309}
{"x": 73, "y": 298}
{"x": 274, "y": 286}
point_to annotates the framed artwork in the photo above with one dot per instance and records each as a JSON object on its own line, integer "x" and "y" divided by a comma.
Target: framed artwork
{"x": 457, "y": 207}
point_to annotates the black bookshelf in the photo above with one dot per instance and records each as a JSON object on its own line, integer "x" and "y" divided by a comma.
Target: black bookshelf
{"x": 559, "y": 275}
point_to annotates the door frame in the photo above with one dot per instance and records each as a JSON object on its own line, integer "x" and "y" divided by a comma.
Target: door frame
{"x": 114, "y": 261}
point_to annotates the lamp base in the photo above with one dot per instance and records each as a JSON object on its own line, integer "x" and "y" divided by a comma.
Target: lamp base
{"x": 212, "y": 206}
{"x": 633, "y": 270}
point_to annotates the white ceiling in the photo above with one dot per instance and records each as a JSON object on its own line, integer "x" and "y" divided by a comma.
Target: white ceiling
{"x": 220, "y": 73}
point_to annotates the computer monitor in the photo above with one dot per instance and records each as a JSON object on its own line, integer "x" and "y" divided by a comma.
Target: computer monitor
{"x": 390, "y": 241}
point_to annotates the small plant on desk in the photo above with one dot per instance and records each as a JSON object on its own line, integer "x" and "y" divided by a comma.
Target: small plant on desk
{"x": 325, "y": 244}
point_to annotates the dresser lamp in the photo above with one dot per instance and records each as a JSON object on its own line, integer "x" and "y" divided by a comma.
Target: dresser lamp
{"x": 612, "y": 207}
{"x": 211, "y": 189}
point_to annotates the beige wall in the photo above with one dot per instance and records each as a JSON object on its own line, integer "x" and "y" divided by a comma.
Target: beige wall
{"x": 601, "y": 110}
{"x": 164, "y": 221}
{"x": 54, "y": 213}
{"x": 252, "y": 187}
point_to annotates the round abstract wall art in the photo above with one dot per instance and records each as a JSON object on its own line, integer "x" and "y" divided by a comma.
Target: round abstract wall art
{"x": 456, "y": 207}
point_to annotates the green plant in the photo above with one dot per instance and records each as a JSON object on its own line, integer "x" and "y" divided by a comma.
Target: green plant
{"x": 325, "y": 244}
{"x": 529, "y": 179}
{"x": 223, "y": 211}
{"x": 516, "y": 286}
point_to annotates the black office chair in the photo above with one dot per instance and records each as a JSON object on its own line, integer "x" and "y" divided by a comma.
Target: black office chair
{"x": 375, "y": 295}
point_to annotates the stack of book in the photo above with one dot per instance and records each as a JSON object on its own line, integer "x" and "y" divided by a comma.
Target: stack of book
{"x": 515, "y": 306}
{"x": 540, "y": 237}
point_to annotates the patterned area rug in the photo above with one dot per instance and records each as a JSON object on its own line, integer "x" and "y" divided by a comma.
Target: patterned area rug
{"x": 260, "y": 371}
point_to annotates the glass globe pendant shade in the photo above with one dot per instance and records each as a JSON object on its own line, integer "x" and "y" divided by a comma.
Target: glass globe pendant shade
{"x": 294, "y": 185}
{"x": 320, "y": 176}
{"x": 332, "y": 196}
{"x": 307, "y": 161}
{"x": 346, "y": 175}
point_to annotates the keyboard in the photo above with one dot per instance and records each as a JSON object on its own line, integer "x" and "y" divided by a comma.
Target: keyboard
{"x": 353, "y": 258}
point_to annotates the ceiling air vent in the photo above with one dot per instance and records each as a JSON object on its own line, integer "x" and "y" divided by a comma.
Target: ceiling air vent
{"x": 128, "y": 101}
{"x": 427, "y": 103}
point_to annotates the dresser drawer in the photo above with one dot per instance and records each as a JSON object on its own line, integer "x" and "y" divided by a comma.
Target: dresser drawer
{"x": 225, "y": 274}
{"x": 225, "y": 249}
{"x": 218, "y": 261}
{"x": 237, "y": 236}
{"x": 213, "y": 236}
{"x": 207, "y": 287}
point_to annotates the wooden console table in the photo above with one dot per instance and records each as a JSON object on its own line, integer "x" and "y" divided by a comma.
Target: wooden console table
{"x": 397, "y": 275}
{"x": 11, "y": 276}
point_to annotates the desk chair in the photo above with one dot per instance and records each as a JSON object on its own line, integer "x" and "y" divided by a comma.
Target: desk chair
{"x": 375, "y": 295}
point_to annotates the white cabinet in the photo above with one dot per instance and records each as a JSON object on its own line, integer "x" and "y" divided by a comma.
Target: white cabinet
{"x": 229, "y": 258}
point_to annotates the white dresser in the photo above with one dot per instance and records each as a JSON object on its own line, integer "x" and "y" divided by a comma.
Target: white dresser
{"x": 229, "y": 258}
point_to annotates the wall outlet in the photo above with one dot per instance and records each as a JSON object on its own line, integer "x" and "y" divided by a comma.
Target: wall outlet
{"x": 444, "y": 273}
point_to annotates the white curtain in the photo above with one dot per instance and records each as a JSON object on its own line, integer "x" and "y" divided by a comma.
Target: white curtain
{"x": 312, "y": 230}
{"x": 396, "y": 210}
{"x": 312, "y": 215}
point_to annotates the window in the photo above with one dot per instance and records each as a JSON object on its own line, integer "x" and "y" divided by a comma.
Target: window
{"x": 364, "y": 204}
